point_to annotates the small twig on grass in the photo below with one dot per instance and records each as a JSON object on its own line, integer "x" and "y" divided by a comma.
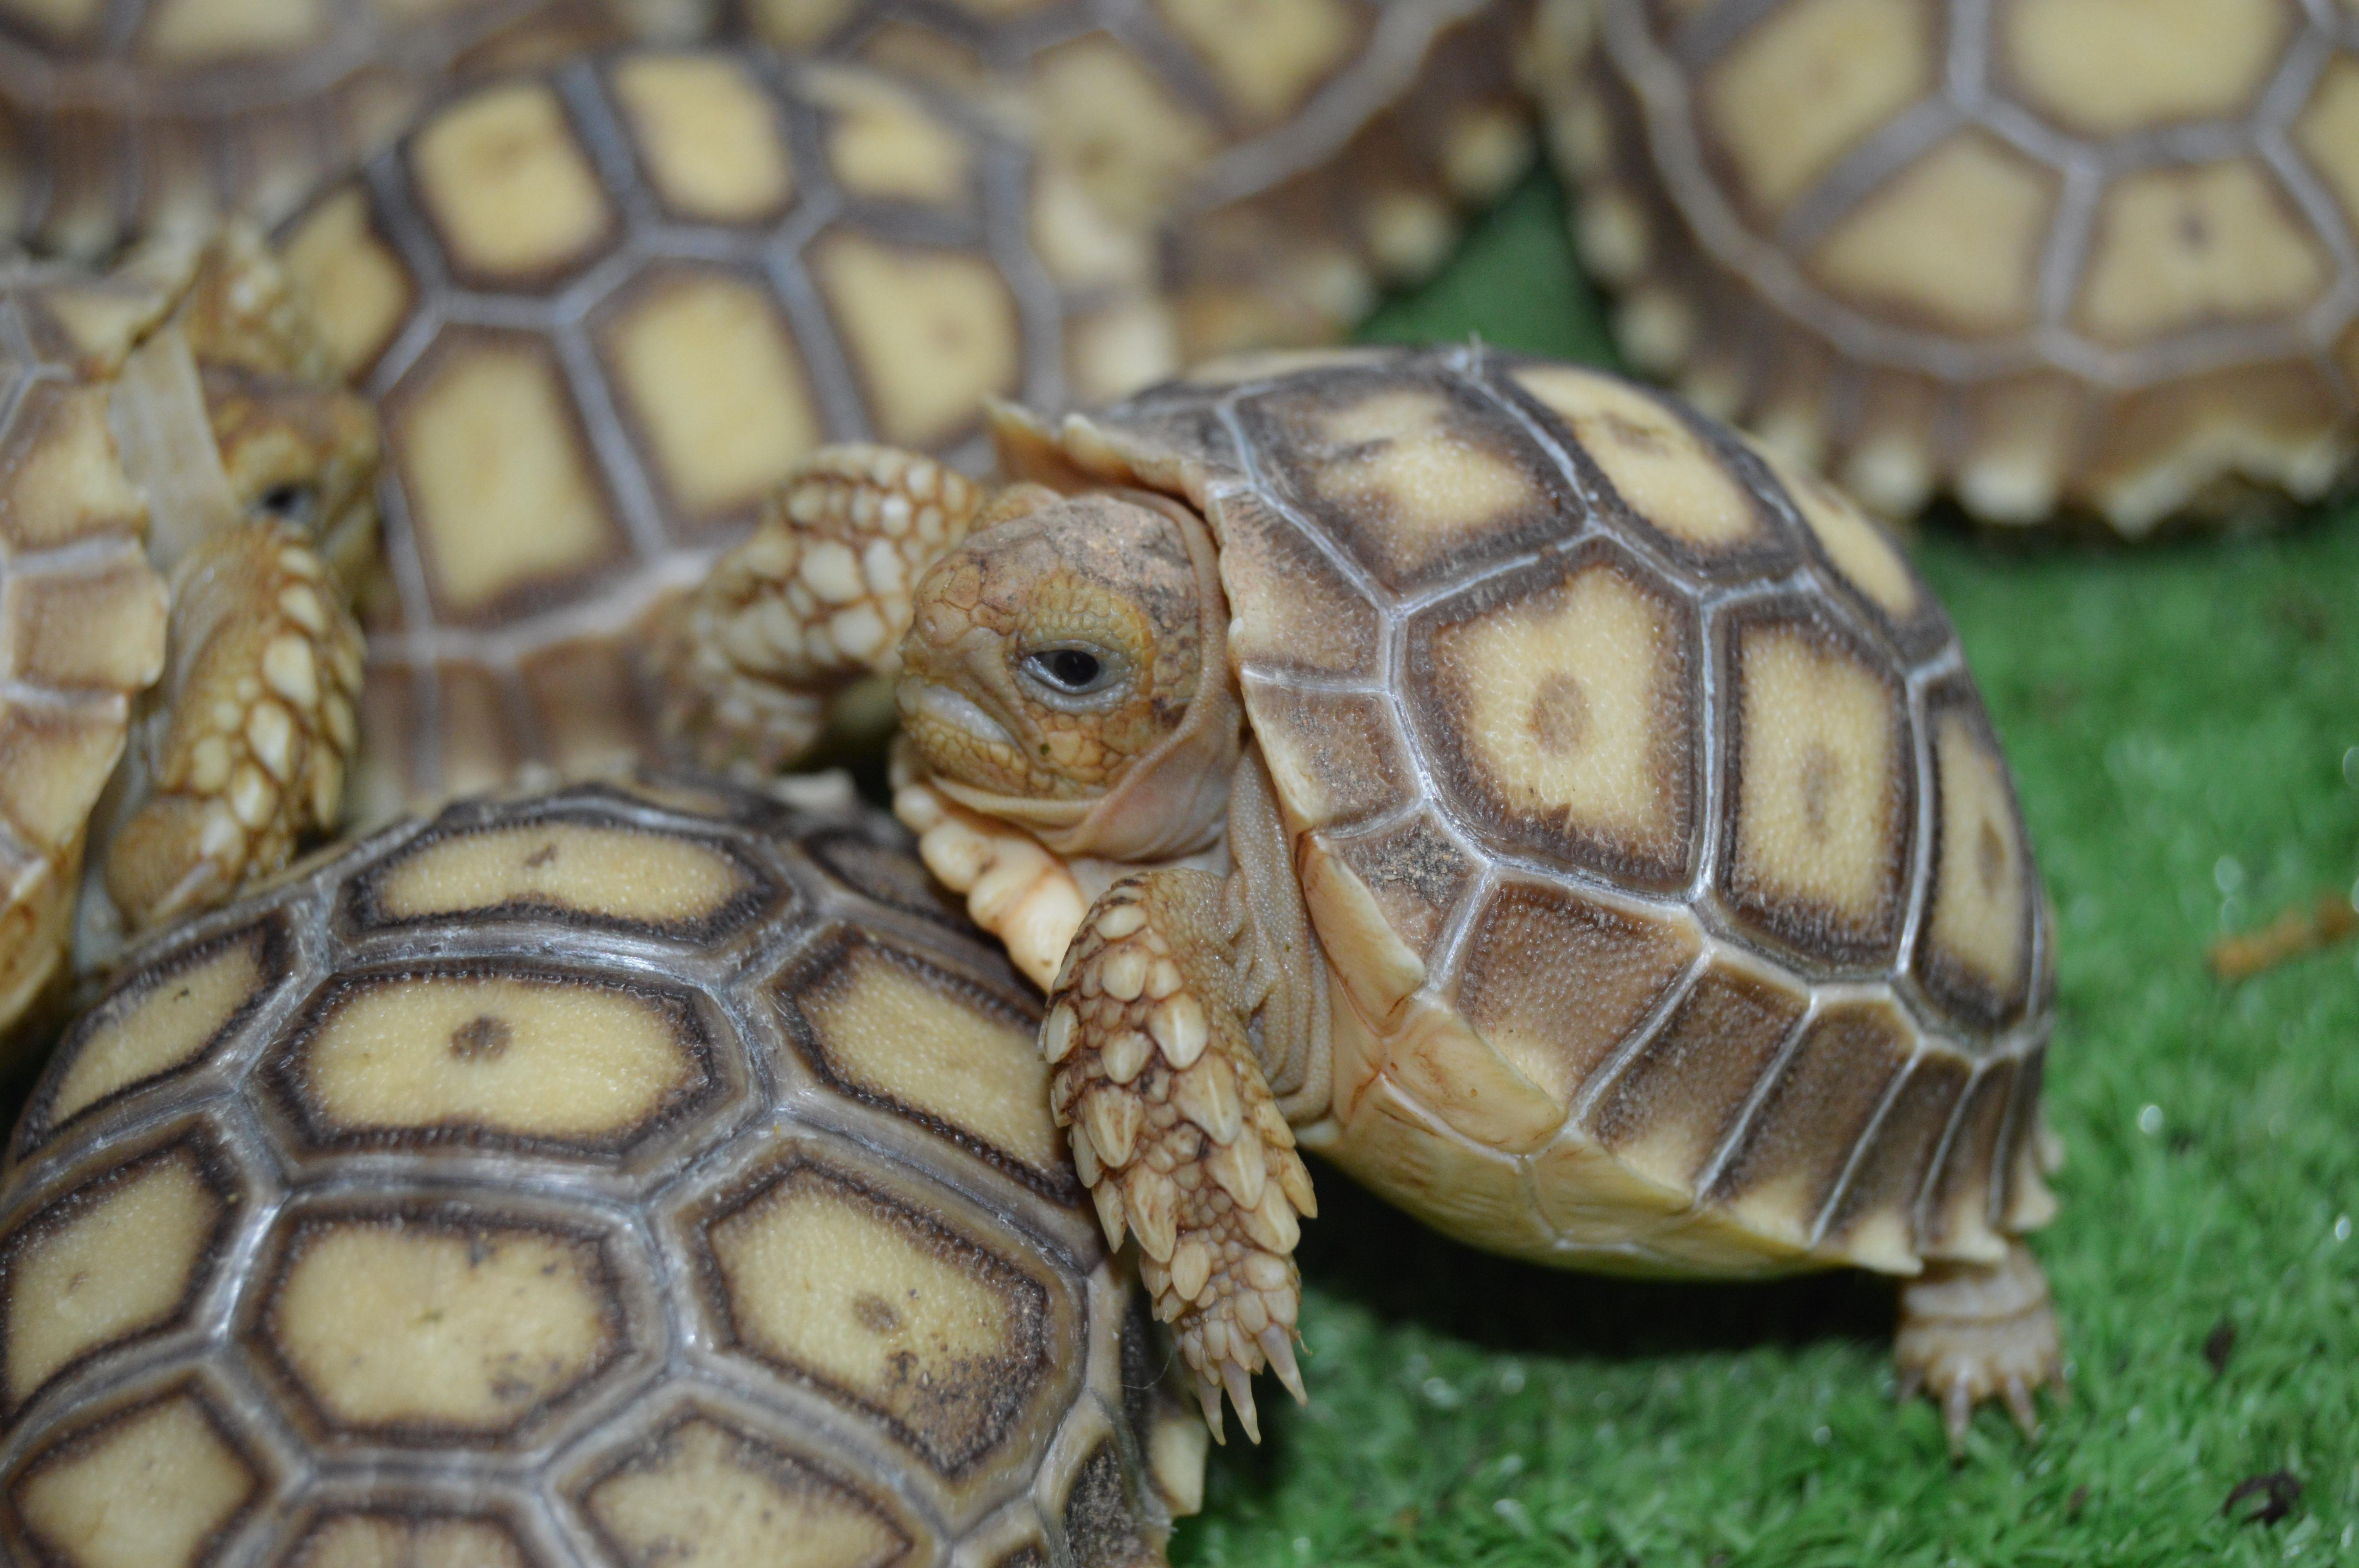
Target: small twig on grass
{"x": 2219, "y": 1344}
{"x": 2298, "y": 931}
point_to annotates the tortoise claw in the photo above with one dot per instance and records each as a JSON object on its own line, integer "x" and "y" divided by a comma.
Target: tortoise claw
{"x": 1971, "y": 1331}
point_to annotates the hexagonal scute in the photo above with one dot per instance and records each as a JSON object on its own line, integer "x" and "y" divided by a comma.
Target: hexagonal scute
{"x": 883, "y": 144}
{"x": 707, "y": 135}
{"x": 361, "y": 288}
{"x": 1951, "y": 242}
{"x": 2192, "y": 246}
{"x": 511, "y": 191}
{"x": 1420, "y": 480}
{"x": 889, "y": 876}
{"x": 705, "y": 1494}
{"x": 578, "y": 866}
{"x": 2109, "y": 68}
{"x": 176, "y": 1452}
{"x": 1558, "y": 706}
{"x": 1865, "y": 558}
{"x": 930, "y": 331}
{"x": 394, "y": 1537}
{"x": 434, "y": 1325}
{"x": 890, "y": 1029}
{"x": 121, "y": 1258}
{"x": 1875, "y": 1217}
{"x": 1975, "y": 952}
{"x": 841, "y": 1285}
{"x": 507, "y": 501}
{"x": 512, "y": 1056}
{"x": 1673, "y": 1104}
{"x": 714, "y": 386}
{"x": 1809, "y": 83}
{"x": 171, "y": 1015}
{"x": 1819, "y": 801}
{"x": 1676, "y": 481}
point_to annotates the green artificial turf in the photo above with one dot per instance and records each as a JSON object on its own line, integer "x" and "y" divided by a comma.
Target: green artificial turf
{"x": 2184, "y": 722}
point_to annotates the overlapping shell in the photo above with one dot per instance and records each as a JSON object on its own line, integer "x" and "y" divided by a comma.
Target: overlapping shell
{"x": 1644, "y": 806}
{"x": 2078, "y": 254}
{"x": 573, "y": 1180}
{"x": 119, "y": 121}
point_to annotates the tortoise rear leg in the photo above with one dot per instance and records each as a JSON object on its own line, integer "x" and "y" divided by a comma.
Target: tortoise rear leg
{"x": 1970, "y": 1332}
{"x": 1174, "y": 1127}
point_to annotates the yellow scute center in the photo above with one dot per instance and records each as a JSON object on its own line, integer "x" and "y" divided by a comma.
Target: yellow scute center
{"x": 1575, "y": 707}
{"x": 1658, "y": 466}
{"x": 505, "y": 183}
{"x": 707, "y": 135}
{"x": 387, "y": 1324}
{"x": 1398, "y": 456}
{"x": 119, "y": 1265}
{"x": 933, "y": 332}
{"x": 615, "y": 872}
{"x": 706, "y": 1498}
{"x": 2106, "y": 67}
{"x": 535, "y": 1059}
{"x": 1817, "y": 807}
{"x": 1801, "y": 89}
{"x": 1982, "y": 894}
{"x": 884, "y": 1027}
{"x": 883, "y": 1304}
{"x": 188, "y": 1483}
{"x": 165, "y": 1027}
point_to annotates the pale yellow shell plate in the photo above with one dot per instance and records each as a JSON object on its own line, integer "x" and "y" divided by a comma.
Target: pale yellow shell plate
{"x": 2083, "y": 256}
{"x": 342, "y": 1232}
{"x": 1682, "y": 918}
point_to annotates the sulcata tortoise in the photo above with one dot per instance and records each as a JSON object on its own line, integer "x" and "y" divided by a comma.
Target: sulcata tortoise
{"x": 1498, "y": 779}
{"x": 589, "y": 1181}
{"x": 2095, "y": 256}
{"x": 604, "y": 308}
{"x": 182, "y": 486}
{"x": 129, "y": 120}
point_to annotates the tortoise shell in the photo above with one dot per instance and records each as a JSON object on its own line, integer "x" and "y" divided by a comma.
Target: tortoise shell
{"x": 589, "y": 1179}
{"x": 2085, "y": 254}
{"x": 604, "y": 310}
{"x": 1681, "y": 911}
{"x": 122, "y": 120}
{"x": 82, "y": 613}
{"x": 1272, "y": 138}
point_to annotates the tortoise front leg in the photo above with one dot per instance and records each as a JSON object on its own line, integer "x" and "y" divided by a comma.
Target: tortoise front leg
{"x": 817, "y": 599}
{"x": 264, "y": 664}
{"x": 1174, "y": 1127}
{"x": 1970, "y": 1332}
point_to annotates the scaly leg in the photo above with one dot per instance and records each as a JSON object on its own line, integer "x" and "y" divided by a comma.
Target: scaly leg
{"x": 1970, "y": 1332}
{"x": 1173, "y": 1126}
{"x": 263, "y": 666}
{"x": 818, "y": 598}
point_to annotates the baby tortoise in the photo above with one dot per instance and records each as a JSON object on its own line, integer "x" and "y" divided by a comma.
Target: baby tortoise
{"x": 586, "y": 1181}
{"x": 183, "y": 485}
{"x": 1503, "y": 781}
{"x": 2077, "y": 257}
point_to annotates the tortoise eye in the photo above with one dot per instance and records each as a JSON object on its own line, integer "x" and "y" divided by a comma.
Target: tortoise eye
{"x": 289, "y": 504}
{"x": 1071, "y": 672}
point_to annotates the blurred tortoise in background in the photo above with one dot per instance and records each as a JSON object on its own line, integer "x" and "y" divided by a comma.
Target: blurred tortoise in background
{"x": 605, "y": 1178}
{"x": 2096, "y": 256}
{"x": 606, "y": 308}
{"x": 183, "y": 486}
{"x": 1298, "y": 153}
{"x": 1558, "y": 814}
{"x": 122, "y": 121}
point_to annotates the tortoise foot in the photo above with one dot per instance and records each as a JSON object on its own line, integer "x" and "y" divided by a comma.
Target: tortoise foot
{"x": 1971, "y": 1331}
{"x": 1175, "y": 1131}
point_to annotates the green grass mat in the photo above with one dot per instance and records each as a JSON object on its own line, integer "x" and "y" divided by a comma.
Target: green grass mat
{"x": 2184, "y": 722}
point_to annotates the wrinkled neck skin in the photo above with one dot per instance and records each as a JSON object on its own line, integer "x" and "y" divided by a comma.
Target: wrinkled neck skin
{"x": 1201, "y": 800}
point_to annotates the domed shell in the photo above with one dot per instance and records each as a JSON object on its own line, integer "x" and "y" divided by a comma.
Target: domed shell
{"x": 591, "y": 1179}
{"x": 606, "y": 308}
{"x": 122, "y": 121}
{"x": 2089, "y": 255}
{"x": 1642, "y": 802}
{"x": 81, "y": 611}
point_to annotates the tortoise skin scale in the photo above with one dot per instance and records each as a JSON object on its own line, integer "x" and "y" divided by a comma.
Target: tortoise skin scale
{"x": 2050, "y": 256}
{"x": 559, "y": 1182}
{"x": 1680, "y": 917}
{"x": 120, "y": 119}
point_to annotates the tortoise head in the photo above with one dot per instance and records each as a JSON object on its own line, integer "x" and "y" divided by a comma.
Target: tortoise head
{"x": 1057, "y": 646}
